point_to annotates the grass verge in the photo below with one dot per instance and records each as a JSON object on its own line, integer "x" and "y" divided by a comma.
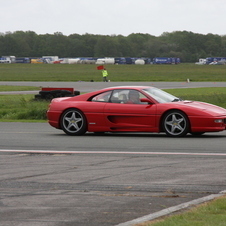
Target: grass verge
{"x": 88, "y": 72}
{"x": 5, "y": 88}
{"x": 211, "y": 213}
{"x": 22, "y": 108}
{"x": 212, "y": 95}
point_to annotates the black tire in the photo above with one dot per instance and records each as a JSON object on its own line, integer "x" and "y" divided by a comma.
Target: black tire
{"x": 73, "y": 122}
{"x": 44, "y": 94}
{"x": 76, "y": 93}
{"x": 175, "y": 123}
{"x": 38, "y": 97}
{"x": 65, "y": 93}
{"x": 56, "y": 93}
{"x": 49, "y": 96}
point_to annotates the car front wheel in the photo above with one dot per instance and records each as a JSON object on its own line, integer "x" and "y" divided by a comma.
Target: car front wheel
{"x": 175, "y": 124}
{"x": 73, "y": 122}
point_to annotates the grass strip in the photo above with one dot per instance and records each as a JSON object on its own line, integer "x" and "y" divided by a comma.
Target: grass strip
{"x": 88, "y": 72}
{"x": 211, "y": 213}
{"x": 6, "y": 88}
{"x": 22, "y": 108}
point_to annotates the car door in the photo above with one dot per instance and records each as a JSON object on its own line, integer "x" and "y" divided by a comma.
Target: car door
{"x": 122, "y": 115}
{"x": 94, "y": 111}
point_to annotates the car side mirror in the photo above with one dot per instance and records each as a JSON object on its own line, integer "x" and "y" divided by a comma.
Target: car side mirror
{"x": 146, "y": 100}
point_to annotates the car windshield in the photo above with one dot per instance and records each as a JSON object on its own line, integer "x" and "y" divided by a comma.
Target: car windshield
{"x": 160, "y": 95}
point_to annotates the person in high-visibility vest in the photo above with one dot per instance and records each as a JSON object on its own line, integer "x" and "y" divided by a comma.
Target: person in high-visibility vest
{"x": 105, "y": 75}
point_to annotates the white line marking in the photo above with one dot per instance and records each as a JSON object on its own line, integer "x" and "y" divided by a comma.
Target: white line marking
{"x": 111, "y": 152}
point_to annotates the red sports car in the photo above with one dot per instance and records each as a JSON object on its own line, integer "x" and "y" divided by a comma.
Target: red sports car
{"x": 134, "y": 109}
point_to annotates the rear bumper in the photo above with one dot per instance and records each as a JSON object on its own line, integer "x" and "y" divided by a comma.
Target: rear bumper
{"x": 53, "y": 118}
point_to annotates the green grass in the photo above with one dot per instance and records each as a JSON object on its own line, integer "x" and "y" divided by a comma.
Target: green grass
{"x": 22, "y": 108}
{"x": 87, "y": 72}
{"x": 212, "y": 95}
{"x": 5, "y": 88}
{"x": 208, "y": 214}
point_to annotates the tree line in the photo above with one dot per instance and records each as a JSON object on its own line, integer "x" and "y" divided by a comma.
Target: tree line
{"x": 188, "y": 46}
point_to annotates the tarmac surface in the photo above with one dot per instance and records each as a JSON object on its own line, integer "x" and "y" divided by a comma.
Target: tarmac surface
{"x": 48, "y": 178}
{"x": 93, "y": 86}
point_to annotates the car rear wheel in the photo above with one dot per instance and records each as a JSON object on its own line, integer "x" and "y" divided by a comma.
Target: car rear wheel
{"x": 73, "y": 122}
{"x": 175, "y": 124}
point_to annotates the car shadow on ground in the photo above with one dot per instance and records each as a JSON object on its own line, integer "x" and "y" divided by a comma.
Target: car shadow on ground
{"x": 154, "y": 135}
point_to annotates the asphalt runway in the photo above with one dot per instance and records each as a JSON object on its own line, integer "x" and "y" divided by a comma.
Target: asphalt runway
{"x": 49, "y": 178}
{"x": 93, "y": 86}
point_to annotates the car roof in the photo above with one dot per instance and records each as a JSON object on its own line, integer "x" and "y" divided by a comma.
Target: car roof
{"x": 127, "y": 87}
{"x": 90, "y": 94}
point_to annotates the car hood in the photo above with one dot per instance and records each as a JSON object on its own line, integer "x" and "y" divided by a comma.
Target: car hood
{"x": 202, "y": 106}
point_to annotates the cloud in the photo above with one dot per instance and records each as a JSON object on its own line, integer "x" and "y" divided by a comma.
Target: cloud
{"x": 113, "y": 17}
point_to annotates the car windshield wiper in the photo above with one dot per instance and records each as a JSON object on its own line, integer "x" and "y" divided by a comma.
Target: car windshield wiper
{"x": 176, "y": 99}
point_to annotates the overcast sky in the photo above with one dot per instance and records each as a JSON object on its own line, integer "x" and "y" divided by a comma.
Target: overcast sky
{"x": 113, "y": 17}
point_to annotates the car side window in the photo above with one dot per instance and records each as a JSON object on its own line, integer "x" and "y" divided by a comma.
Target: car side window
{"x": 103, "y": 97}
{"x": 126, "y": 96}
{"x": 115, "y": 97}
